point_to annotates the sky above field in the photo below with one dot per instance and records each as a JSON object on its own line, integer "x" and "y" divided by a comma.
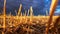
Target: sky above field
{"x": 39, "y": 6}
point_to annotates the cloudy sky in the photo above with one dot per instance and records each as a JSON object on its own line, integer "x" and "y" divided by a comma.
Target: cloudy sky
{"x": 39, "y": 6}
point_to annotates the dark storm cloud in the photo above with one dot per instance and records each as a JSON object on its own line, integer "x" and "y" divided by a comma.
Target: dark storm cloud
{"x": 39, "y": 6}
{"x": 59, "y": 2}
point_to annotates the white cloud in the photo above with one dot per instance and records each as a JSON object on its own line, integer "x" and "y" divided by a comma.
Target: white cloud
{"x": 57, "y": 11}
